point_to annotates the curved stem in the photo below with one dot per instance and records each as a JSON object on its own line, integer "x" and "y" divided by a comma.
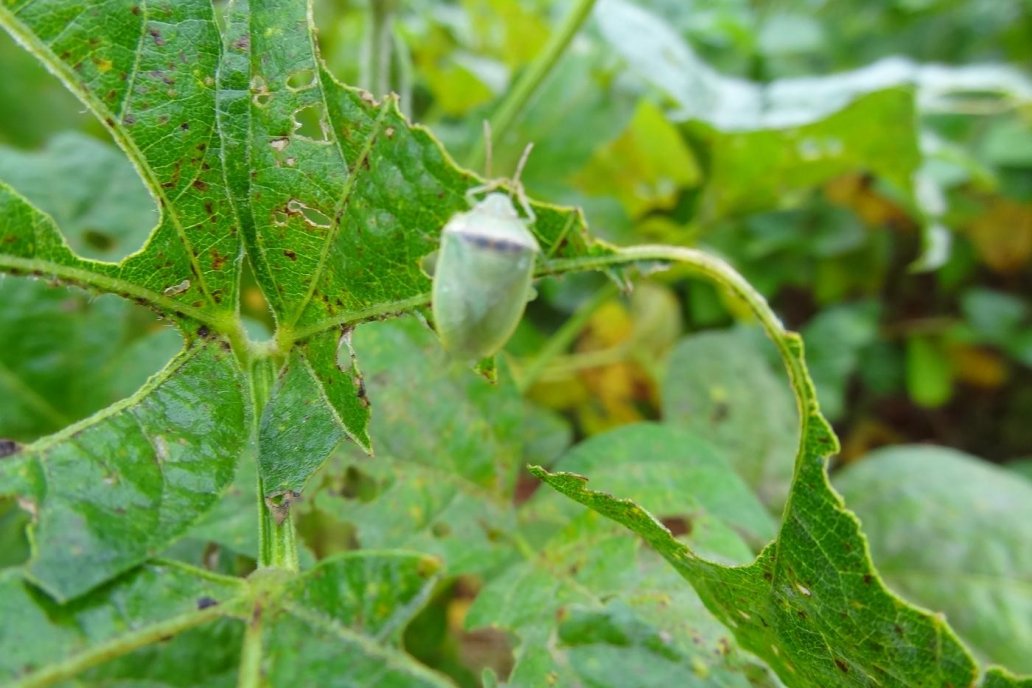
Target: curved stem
{"x": 529, "y": 81}
{"x": 720, "y": 272}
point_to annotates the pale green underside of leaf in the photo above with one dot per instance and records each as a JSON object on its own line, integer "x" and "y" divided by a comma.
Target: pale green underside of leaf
{"x": 140, "y": 607}
{"x": 719, "y": 401}
{"x": 117, "y": 488}
{"x": 346, "y": 612}
{"x": 952, "y": 533}
{"x": 448, "y": 446}
{"x": 811, "y": 605}
{"x": 619, "y": 609}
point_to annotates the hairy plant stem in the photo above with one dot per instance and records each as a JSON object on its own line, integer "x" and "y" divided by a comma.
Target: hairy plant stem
{"x": 250, "y": 675}
{"x": 531, "y": 79}
{"x": 276, "y": 537}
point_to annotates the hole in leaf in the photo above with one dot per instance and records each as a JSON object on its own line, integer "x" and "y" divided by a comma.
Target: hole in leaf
{"x": 310, "y": 123}
{"x": 13, "y": 522}
{"x": 677, "y": 525}
{"x": 358, "y": 485}
{"x": 98, "y": 240}
{"x": 313, "y": 217}
{"x": 301, "y": 80}
{"x": 258, "y": 315}
{"x": 260, "y": 94}
{"x": 428, "y": 264}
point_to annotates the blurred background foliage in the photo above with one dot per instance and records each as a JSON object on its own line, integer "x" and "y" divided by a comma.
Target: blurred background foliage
{"x": 866, "y": 164}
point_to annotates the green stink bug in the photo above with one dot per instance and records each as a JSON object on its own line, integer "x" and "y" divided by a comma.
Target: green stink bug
{"x": 483, "y": 274}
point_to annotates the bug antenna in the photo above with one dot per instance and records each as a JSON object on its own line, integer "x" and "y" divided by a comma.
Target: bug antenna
{"x": 488, "y": 149}
{"x": 517, "y": 186}
{"x": 521, "y": 164}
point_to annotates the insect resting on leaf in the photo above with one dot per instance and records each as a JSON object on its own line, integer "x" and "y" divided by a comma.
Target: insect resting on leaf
{"x": 482, "y": 279}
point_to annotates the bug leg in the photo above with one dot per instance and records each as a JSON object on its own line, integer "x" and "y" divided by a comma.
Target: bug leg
{"x": 521, "y": 195}
{"x": 487, "y": 187}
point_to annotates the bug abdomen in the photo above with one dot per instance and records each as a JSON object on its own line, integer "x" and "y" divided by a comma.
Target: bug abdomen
{"x": 481, "y": 286}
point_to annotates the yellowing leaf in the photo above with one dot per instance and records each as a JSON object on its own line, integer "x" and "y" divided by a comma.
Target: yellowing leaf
{"x": 978, "y": 366}
{"x": 1003, "y": 235}
{"x": 854, "y": 191}
{"x": 646, "y": 167}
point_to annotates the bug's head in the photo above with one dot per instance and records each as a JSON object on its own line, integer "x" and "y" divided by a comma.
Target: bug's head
{"x": 497, "y": 204}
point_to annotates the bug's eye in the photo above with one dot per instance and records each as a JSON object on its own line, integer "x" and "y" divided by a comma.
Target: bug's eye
{"x": 482, "y": 278}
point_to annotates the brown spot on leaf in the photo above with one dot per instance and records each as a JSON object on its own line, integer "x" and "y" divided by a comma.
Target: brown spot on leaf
{"x": 200, "y": 185}
{"x": 843, "y": 667}
{"x": 363, "y": 397}
{"x": 217, "y": 260}
{"x": 8, "y": 448}
{"x": 677, "y": 525}
{"x": 290, "y": 254}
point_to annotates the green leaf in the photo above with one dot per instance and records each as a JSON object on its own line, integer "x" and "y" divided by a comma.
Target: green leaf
{"x": 660, "y": 56}
{"x": 72, "y": 356}
{"x": 771, "y": 168}
{"x": 39, "y": 638}
{"x": 929, "y": 372}
{"x": 812, "y": 605}
{"x": 346, "y": 197}
{"x": 207, "y": 656}
{"x": 298, "y": 430}
{"x": 950, "y": 532}
{"x": 128, "y": 64}
{"x": 376, "y": 593}
{"x": 117, "y": 488}
{"x": 720, "y": 385}
{"x": 675, "y": 471}
{"x": 592, "y": 607}
{"x": 768, "y": 143}
{"x": 448, "y": 444}
{"x": 347, "y": 612}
